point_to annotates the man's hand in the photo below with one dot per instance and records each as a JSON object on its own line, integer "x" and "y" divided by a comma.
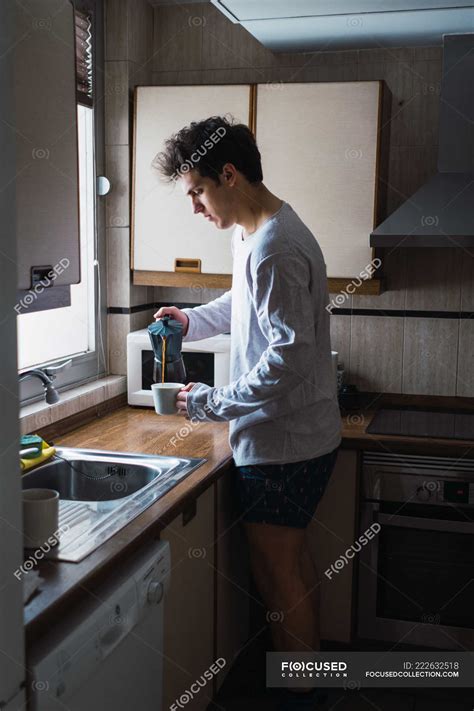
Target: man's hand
{"x": 175, "y": 313}
{"x": 181, "y": 399}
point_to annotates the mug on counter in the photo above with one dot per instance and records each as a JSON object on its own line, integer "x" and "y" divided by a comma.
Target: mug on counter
{"x": 334, "y": 360}
{"x": 40, "y": 516}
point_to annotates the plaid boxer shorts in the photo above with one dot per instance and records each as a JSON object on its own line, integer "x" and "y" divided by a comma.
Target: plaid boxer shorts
{"x": 282, "y": 494}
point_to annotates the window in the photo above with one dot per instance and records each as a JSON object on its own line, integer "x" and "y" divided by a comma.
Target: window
{"x": 76, "y": 331}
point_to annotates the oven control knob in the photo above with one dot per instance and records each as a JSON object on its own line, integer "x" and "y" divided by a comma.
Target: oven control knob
{"x": 155, "y": 593}
{"x": 423, "y": 494}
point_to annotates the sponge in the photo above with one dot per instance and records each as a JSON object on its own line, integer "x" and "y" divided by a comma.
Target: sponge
{"x": 44, "y": 452}
{"x": 31, "y": 442}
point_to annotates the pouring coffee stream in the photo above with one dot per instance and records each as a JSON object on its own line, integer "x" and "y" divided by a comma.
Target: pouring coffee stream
{"x": 163, "y": 359}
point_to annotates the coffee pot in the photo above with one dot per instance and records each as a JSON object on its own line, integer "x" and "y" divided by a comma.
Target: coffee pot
{"x": 166, "y": 336}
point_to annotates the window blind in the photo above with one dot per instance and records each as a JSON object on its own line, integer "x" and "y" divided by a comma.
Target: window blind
{"x": 84, "y": 82}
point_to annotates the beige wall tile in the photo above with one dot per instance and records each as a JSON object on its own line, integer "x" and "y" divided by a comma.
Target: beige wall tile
{"x": 432, "y": 53}
{"x": 175, "y": 78}
{"x": 465, "y": 374}
{"x": 177, "y": 38}
{"x": 430, "y": 355}
{"x": 433, "y": 279}
{"x": 376, "y": 353}
{"x": 327, "y": 73}
{"x": 138, "y": 295}
{"x": 116, "y": 103}
{"x": 409, "y": 168}
{"x": 117, "y": 202}
{"x": 403, "y": 55}
{"x": 118, "y": 326}
{"x": 140, "y": 31}
{"x": 399, "y": 80}
{"x": 116, "y": 30}
{"x": 91, "y": 398}
{"x": 467, "y": 281}
{"x": 211, "y": 294}
{"x": 244, "y": 75}
{"x": 141, "y": 319}
{"x": 394, "y": 266}
{"x": 140, "y": 75}
{"x": 29, "y": 424}
{"x": 118, "y": 266}
{"x": 423, "y": 110}
{"x": 116, "y": 385}
{"x": 226, "y": 45}
{"x": 171, "y": 295}
{"x": 341, "y": 339}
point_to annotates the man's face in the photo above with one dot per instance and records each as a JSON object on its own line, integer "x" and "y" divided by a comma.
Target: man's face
{"x": 211, "y": 200}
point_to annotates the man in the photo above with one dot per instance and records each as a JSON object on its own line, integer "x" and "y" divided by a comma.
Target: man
{"x": 281, "y": 402}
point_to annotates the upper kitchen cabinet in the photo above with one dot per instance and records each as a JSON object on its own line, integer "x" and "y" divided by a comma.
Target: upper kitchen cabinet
{"x": 170, "y": 245}
{"x": 319, "y": 144}
{"x": 43, "y": 122}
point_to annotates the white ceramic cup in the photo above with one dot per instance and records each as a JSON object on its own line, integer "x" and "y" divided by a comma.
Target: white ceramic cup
{"x": 40, "y": 516}
{"x": 164, "y": 397}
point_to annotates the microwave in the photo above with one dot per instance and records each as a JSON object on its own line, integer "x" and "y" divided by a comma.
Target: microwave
{"x": 206, "y": 361}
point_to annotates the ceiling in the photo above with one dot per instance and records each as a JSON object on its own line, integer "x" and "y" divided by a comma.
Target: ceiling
{"x": 307, "y": 25}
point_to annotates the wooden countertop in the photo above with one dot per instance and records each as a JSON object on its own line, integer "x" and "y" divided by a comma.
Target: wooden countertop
{"x": 131, "y": 429}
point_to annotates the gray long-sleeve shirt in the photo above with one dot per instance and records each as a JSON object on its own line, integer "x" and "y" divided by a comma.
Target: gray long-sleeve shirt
{"x": 281, "y": 400}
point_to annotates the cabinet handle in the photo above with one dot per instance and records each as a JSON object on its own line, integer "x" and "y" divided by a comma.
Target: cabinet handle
{"x": 187, "y": 265}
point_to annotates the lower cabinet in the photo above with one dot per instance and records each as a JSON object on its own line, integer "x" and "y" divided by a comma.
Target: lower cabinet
{"x": 207, "y": 603}
{"x": 189, "y": 606}
{"x": 330, "y": 534}
{"x": 232, "y": 584}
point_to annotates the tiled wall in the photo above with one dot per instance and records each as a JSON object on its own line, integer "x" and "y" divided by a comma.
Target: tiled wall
{"x": 385, "y": 346}
{"x": 128, "y": 51}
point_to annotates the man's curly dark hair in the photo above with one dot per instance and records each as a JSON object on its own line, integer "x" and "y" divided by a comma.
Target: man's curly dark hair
{"x": 207, "y": 146}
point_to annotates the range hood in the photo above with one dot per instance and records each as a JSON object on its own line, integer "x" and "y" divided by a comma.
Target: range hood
{"x": 441, "y": 213}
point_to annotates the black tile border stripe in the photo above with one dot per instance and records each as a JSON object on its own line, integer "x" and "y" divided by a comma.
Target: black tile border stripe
{"x": 400, "y": 313}
{"x": 403, "y": 313}
{"x": 127, "y": 310}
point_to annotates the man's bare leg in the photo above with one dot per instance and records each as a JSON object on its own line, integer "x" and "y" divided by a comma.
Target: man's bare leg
{"x": 287, "y": 582}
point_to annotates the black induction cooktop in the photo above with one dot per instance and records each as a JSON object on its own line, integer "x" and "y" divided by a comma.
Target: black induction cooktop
{"x": 447, "y": 424}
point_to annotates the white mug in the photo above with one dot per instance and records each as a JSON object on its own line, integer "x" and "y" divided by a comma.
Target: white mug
{"x": 164, "y": 397}
{"x": 40, "y": 516}
{"x": 334, "y": 360}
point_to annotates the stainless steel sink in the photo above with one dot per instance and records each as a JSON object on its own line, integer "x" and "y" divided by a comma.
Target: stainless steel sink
{"x": 101, "y": 491}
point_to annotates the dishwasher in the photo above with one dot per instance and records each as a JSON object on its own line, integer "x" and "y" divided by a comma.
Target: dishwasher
{"x": 107, "y": 652}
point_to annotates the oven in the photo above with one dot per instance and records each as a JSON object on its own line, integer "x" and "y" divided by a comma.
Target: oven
{"x": 416, "y": 575}
{"x": 206, "y": 361}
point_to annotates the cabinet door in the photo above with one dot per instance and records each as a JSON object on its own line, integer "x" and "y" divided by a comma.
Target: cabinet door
{"x": 43, "y": 123}
{"x": 319, "y": 145}
{"x": 232, "y": 587}
{"x": 332, "y": 531}
{"x": 189, "y": 605}
{"x": 164, "y": 226}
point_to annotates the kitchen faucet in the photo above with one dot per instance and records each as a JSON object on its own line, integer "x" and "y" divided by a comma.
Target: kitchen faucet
{"x": 46, "y": 375}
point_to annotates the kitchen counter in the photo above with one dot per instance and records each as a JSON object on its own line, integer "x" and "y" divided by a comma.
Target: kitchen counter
{"x": 129, "y": 429}
{"x": 355, "y": 437}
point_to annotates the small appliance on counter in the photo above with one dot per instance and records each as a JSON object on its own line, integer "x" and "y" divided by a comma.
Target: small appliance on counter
{"x": 205, "y": 361}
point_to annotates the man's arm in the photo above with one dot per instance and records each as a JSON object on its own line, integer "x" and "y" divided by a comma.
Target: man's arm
{"x": 209, "y": 319}
{"x": 285, "y": 315}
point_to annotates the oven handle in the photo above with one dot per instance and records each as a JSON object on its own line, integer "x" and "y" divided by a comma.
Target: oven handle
{"x": 428, "y": 524}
